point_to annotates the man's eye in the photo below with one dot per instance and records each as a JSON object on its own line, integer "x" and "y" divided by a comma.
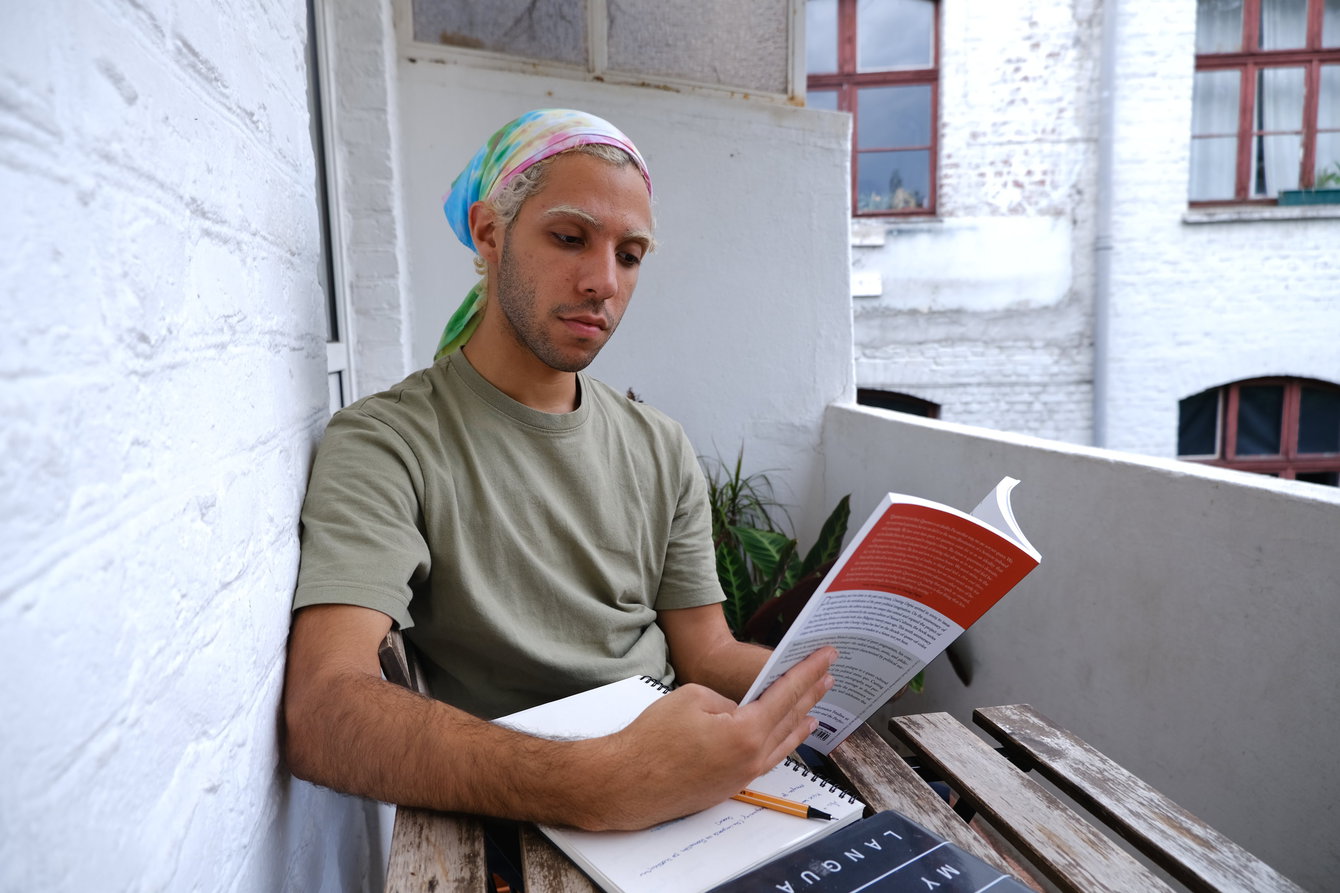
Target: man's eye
{"x": 628, "y": 259}
{"x": 566, "y": 239}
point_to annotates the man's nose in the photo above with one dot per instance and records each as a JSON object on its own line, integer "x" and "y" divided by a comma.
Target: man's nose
{"x": 600, "y": 275}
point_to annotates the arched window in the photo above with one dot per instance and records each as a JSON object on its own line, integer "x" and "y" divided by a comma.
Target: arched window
{"x": 898, "y": 402}
{"x": 1284, "y": 427}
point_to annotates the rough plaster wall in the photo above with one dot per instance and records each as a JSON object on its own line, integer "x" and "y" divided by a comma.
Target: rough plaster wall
{"x": 1182, "y": 621}
{"x": 1195, "y": 305}
{"x": 740, "y": 328}
{"x": 162, "y": 385}
{"x": 987, "y": 309}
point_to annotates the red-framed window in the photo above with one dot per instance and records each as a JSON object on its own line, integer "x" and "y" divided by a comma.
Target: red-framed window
{"x": 879, "y": 60}
{"x": 1266, "y": 107}
{"x": 1284, "y": 427}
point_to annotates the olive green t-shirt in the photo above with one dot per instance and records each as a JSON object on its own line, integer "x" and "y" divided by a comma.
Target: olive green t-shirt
{"x": 525, "y": 553}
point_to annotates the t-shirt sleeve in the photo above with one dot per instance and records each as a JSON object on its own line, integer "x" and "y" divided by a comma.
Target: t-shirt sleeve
{"x": 362, "y": 527}
{"x": 689, "y": 578}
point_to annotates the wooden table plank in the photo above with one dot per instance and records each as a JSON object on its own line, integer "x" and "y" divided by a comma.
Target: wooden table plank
{"x": 1183, "y": 845}
{"x": 435, "y": 852}
{"x": 881, "y": 779}
{"x": 547, "y": 869}
{"x": 1063, "y": 846}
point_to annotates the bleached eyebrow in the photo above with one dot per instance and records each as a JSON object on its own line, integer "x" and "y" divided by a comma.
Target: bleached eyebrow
{"x": 643, "y": 237}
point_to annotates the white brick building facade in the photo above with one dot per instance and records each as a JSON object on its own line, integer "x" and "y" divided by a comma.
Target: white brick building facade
{"x": 993, "y": 309}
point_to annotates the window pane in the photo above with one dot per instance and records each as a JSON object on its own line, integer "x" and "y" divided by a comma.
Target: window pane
{"x": 1218, "y": 26}
{"x": 1214, "y": 126}
{"x": 1280, "y": 94}
{"x": 677, "y": 39}
{"x": 894, "y": 34}
{"x": 1328, "y": 108}
{"x": 1214, "y": 103}
{"x": 890, "y": 117}
{"x": 1328, "y": 118}
{"x": 1328, "y": 161}
{"x": 1277, "y": 157}
{"x": 822, "y": 99}
{"x": 1198, "y": 425}
{"x": 1213, "y": 173}
{"x": 1277, "y": 164}
{"x": 1330, "y": 24}
{"x": 1319, "y": 421}
{"x": 821, "y": 36}
{"x": 892, "y": 181}
{"x": 1260, "y": 410}
{"x": 335, "y": 384}
{"x": 1283, "y": 24}
{"x": 553, "y": 30}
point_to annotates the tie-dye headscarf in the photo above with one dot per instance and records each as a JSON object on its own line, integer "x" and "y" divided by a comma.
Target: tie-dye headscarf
{"x": 516, "y": 146}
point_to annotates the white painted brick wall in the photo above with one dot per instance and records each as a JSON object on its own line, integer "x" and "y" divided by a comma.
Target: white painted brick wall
{"x": 1198, "y": 305}
{"x": 162, "y": 387}
{"x": 987, "y": 310}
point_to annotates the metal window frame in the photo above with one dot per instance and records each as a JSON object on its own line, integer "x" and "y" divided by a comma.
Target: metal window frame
{"x": 339, "y": 347}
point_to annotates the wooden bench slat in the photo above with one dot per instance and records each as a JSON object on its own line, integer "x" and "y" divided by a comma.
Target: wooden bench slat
{"x": 398, "y": 666}
{"x": 1069, "y": 851}
{"x": 430, "y": 851}
{"x": 434, "y": 851}
{"x": 1183, "y": 845}
{"x": 881, "y": 779}
{"x": 547, "y": 869}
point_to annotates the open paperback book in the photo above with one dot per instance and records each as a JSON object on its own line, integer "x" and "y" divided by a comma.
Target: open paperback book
{"x": 696, "y": 852}
{"x": 915, "y": 576}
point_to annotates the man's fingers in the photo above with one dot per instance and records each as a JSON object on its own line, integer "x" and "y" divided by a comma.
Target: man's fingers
{"x": 807, "y": 681}
{"x": 785, "y": 706}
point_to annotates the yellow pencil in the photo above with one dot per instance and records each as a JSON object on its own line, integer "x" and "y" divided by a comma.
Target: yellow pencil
{"x": 787, "y": 806}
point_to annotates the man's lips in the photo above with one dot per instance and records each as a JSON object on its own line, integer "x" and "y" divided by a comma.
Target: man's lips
{"x": 587, "y": 325}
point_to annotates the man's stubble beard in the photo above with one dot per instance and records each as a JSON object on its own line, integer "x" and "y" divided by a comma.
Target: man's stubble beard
{"x": 515, "y": 295}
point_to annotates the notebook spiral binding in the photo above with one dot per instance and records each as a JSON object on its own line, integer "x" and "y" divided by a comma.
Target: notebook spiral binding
{"x": 822, "y": 782}
{"x": 656, "y": 684}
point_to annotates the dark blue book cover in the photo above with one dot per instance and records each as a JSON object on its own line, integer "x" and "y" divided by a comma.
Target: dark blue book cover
{"x": 885, "y": 853}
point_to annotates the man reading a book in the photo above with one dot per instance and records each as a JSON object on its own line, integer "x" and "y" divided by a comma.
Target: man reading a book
{"x": 533, "y": 532}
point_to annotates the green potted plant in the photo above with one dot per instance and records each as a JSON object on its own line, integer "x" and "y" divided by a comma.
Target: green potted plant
{"x": 1325, "y": 189}
{"x": 764, "y": 577}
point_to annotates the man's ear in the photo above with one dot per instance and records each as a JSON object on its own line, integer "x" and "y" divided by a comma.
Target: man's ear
{"x": 485, "y": 230}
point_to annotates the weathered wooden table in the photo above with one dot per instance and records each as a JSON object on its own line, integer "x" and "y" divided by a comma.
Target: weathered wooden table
{"x": 444, "y": 853}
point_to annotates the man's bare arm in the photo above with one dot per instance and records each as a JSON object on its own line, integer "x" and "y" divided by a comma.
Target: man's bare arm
{"x": 348, "y": 729}
{"x": 703, "y": 650}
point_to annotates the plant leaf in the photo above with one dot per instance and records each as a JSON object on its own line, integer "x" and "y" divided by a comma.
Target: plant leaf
{"x": 767, "y": 549}
{"x": 829, "y": 543}
{"x": 733, "y": 574}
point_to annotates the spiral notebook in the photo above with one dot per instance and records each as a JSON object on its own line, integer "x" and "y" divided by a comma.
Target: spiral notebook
{"x": 690, "y": 854}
